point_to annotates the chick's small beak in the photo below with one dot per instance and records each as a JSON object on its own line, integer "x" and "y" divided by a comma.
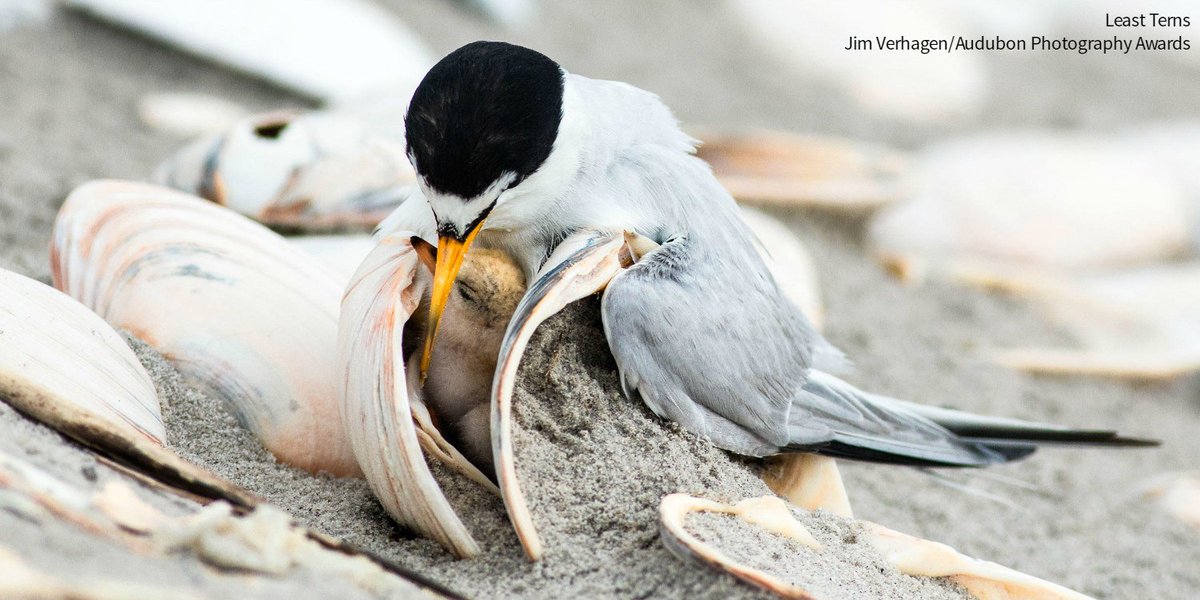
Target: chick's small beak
{"x": 450, "y": 254}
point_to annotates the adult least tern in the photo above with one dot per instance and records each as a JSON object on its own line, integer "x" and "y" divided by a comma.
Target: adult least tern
{"x": 513, "y": 152}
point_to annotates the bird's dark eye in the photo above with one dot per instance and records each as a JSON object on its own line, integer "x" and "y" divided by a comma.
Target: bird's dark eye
{"x": 270, "y": 131}
{"x": 468, "y": 293}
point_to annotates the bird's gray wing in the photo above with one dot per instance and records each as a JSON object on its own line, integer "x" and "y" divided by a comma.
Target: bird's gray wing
{"x": 728, "y": 359}
{"x": 702, "y": 354}
{"x": 702, "y": 333}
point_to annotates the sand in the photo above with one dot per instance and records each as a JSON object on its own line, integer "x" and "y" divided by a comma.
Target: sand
{"x": 68, "y": 92}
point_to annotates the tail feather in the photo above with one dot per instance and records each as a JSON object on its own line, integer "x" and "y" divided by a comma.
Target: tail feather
{"x": 836, "y": 419}
{"x": 1002, "y": 430}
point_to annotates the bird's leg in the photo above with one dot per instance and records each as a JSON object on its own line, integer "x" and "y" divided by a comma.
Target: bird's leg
{"x": 809, "y": 481}
{"x": 582, "y": 264}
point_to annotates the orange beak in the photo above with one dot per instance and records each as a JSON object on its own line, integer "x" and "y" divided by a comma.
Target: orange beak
{"x": 450, "y": 255}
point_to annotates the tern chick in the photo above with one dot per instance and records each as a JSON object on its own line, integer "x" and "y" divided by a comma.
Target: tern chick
{"x": 486, "y": 293}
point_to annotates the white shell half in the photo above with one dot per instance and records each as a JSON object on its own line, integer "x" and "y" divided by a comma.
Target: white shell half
{"x": 326, "y": 49}
{"x": 1179, "y": 495}
{"x": 63, "y": 366}
{"x": 1037, "y": 199}
{"x": 390, "y": 429}
{"x": 909, "y": 555}
{"x": 317, "y": 170}
{"x": 1139, "y": 323}
{"x": 188, "y": 114}
{"x": 61, "y": 362}
{"x": 776, "y": 168}
{"x": 769, "y": 512}
{"x": 232, "y": 305}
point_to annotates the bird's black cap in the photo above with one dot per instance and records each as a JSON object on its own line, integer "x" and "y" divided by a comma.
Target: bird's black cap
{"x": 483, "y": 110}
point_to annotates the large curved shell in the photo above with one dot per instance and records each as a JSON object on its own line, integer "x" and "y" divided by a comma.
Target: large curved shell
{"x": 390, "y": 428}
{"x": 339, "y": 255}
{"x": 62, "y": 365}
{"x": 776, "y": 168}
{"x": 1137, "y": 323}
{"x": 1034, "y": 199}
{"x": 309, "y": 171}
{"x": 1178, "y": 494}
{"x": 234, "y": 306}
{"x": 58, "y": 356}
{"x": 583, "y": 264}
{"x": 329, "y": 49}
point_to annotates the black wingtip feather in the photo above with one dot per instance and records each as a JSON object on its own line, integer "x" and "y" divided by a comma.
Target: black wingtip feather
{"x": 1071, "y": 438}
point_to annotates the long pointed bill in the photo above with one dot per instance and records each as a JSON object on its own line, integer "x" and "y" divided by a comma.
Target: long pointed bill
{"x": 450, "y": 254}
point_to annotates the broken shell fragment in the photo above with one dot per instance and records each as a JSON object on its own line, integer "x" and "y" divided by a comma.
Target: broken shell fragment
{"x": 1137, "y": 323}
{"x": 392, "y": 429}
{"x": 1033, "y": 199}
{"x": 310, "y": 171}
{"x": 188, "y": 114}
{"x": 63, "y": 366}
{"x": 1179, "y": 495}
{"x": 781, "y": 169}
{"x": 983, "y": 579}
{"x": 907, "y": 554}
{"x": 60, "y": 362}
{"x": 769, "y": 512}
{"x": 236, "y": 308}
{"x": 810, "y": 481}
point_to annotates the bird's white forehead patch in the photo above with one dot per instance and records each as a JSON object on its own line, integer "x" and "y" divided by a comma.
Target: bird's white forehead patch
{"x": 459, "y": 213}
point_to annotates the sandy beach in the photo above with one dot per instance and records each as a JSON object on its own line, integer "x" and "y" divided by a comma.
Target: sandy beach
{"x": 596, "y": 464}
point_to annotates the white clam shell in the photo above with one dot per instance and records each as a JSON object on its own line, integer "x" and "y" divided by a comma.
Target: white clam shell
{"x": 1140, "y": 323}
{"x": 328, "y": 49}
{"x": 188, "y": 114}
{"x": 60, "y": 361}
{"x": 1178, "y": 494}
{"x": 784, "y": 169}
{"x": 389, "y": 427}
{"x": 234, "y": 306}
{"x": 907, "y": 554}
{"x": 316, "y": 170}
{"x": 63, "y": 366}
{"x": 1037, "y": 199}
